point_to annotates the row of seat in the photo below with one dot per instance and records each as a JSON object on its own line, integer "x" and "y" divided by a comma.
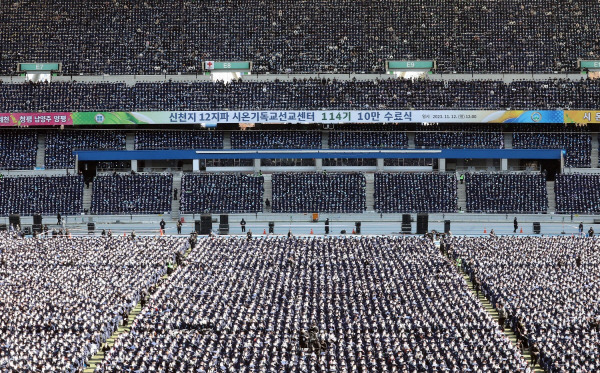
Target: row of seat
{"x": 300, "y": 192}
{"x": 301, "y": 94}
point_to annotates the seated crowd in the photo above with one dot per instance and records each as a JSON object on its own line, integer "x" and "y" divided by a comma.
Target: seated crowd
{"x": 368, "y": 304}
{"x": 47, "y": 195}
{"x": 132, "y": 194}
{"x": 575, "y": 139}
{"x": 62, "y": 298}
{"x": 288, "y": 36}
{"x": 301, "y": 94}
{"x": 577, "y": 193}
{"x": 318, "y": 192}
{"x": 18, "y": 149}
{"x": 409, "y": 192}
{"x": 370, "y": 136}
{"x": 221, "y": 193}
{"x": 150, "y": 140}
{"x": 459, "y": 136}
{"x": 548, "y": 288}
{"x": 275, "y": 139}
{"x": 506, "y": 192}
{"x": 61, "y": 144}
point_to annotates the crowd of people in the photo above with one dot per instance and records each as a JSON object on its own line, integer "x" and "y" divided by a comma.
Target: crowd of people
{"x": 409, "y": 192}
{"x": 547, "y": 289}
{"x": 575, "y": 139}
{"x": 18, "y": 149}
{"x": 301, "y": 94}
{"x": 577, "y": 193}
{"x": 61, "y": 144}
{"x": 221, "y": 193}
{"x": 348, "y": 304}
{"x": 61, "y": 298}
{"x": 459, "y": 136}
{"x": 47, "y": 195}
{"x": 369, "y": 137}
{"x": 290, "y": 36}
{"x": 152, "y": 140}
{"x": 497, "y": 192}
{"x": 318, "y": 192}
{"x": 132, "y": 194}
{"x": 275, "y": 139}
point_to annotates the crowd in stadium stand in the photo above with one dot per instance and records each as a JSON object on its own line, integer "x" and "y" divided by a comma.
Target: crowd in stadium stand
{"x": 548, "y": 289}
{"x": 145, "y": 140}
{"x": 132, "y": 194}
{"x": 393, "y": 305}
{"x": 18, "y": 149}
{"x": 302, "y": 94}
{"x": 46, "y": 195}
{"x": 112, "y": 165}
{"x": 318, "y": 192}
{"x": 577, "y": 193}
{"x": 506, "y": 192}
{"x": 62, "y": 298}
{"x": 415, "y": 192}
{"x": 575, "y": 139}
{"x": 275, "y": 139}
{"x": 370, "y": 136}
{"x": 459, "y": 136}
{"x": 61, "y": 144}
{"x": 290, "y": 36}
{"x": 221, "y": 193}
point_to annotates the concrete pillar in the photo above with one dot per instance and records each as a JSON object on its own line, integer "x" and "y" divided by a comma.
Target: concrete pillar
{"x": 379, "y": 164}
{"x": 442, "y": 164}
{"x": 195, "y": 165}
{"x": 256, "y": 165}
{"x": 504, "y": 164}
{"x": 319, "y": 164}
{"x": 134, "y": 165}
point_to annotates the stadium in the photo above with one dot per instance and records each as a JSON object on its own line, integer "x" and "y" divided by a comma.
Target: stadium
{"x": 299, "y": 186}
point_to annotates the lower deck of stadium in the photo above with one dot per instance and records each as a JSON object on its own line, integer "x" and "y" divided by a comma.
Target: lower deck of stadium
{"x": 352, "y": 303}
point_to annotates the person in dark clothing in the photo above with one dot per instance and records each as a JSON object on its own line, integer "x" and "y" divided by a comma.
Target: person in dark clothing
{"x": 58, "y": 219}
{"x": 162, "y": 224}
{"x": 267, "y": 203}
{"x": 581, "y": 228}
{"x": 515, "y": 225}
{"x": 249, "y": 235}
{"x": 501, "y": 315}
{"x": 243, "y": 225}
{"x": 327, "y": 226}
{"x": 103, "y": 232}
{"x": 179, "y": 224}
{"x": 591, "y": 232}
{"x": 175, "y": 194}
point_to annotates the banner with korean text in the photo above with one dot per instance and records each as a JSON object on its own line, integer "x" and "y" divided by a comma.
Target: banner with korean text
{"x": 298, "y": 116}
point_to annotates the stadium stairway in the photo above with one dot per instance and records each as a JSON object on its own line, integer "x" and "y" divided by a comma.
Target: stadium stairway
{"x": 227, "y": 140}
{"x": 87, "y": 197}
{"x": 325, "y": 140}
{"x": 461, "y": 194}
{"x": 594, "y": 154}
{"x": 268, "y": 190}
{"x": 175, "y": 212}
{"x": 411, "y": 140}
{"x": 99, "y": 357}
{"x": 485, "y": 303}
{"x": 370, "y": 191}
{"x": 551, "y": 196}
{"x": 508, "y": 136}
{"x": 41, "y": 149}
{"x": 130, "y": 141}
